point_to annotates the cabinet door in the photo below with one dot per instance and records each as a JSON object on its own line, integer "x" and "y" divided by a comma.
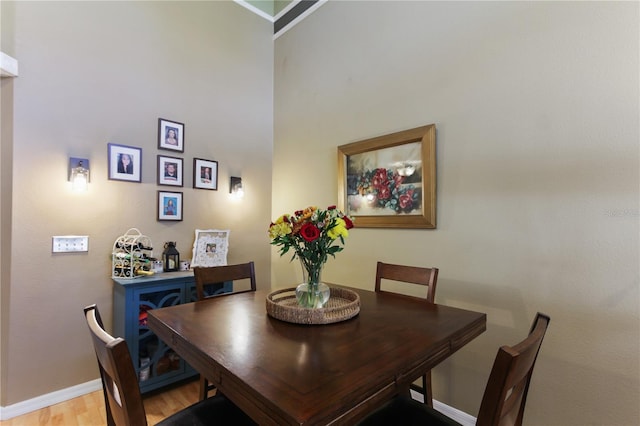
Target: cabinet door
{"x": 155, "y": 362}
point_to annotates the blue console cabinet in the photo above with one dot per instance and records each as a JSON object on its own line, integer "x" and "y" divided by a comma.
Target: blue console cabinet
{"x": 156, "y": 364}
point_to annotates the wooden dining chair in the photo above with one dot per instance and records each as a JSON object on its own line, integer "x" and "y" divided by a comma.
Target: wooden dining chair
{"x": 504, "y": 397}
{"x": 214, "y": 275}
{"x": 122, "y": 397}
{"x": 219, "y": 274}
{"x": 427, "y": 277}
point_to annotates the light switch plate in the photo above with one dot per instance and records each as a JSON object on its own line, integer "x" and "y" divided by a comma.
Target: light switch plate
{"x": 70, "y": 243}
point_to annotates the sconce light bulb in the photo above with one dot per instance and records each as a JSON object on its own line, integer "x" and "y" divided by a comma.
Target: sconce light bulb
{"x": 79, "y": 178}
{"x": 238, "y": 192}
{"x": 235, "y": 187}
{"x": 79, "y": 183}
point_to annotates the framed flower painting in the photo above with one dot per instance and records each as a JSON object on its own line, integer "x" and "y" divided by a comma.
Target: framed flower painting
{"x": 390, "y": 181}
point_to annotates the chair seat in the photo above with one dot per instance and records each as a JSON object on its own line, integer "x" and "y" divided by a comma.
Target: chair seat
{"x": 216, "y": 410}
{"x": 405, "y": 411}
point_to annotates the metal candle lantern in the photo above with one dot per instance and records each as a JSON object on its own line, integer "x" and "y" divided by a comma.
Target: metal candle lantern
{"x": 171, "y": 257}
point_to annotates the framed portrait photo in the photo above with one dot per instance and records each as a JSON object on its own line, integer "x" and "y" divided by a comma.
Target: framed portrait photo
{"x": 169, "y": 205}
{"x": 205, "y": 174}
{"x": 169, "y": 171}
{"x": 390, "y": 181}
{"x": 210, "y": 247}
{"x": 125, "y": 162}
{"x": 170, "y": 135}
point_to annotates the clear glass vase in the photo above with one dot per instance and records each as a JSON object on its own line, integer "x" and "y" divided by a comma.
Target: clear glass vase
{"x": 312, "y": 293}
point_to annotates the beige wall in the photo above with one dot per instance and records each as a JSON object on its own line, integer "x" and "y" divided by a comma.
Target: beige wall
{"x": 99, "y": 72}
{"x": 6, "y": 111}
{"x": 536, "y": 108}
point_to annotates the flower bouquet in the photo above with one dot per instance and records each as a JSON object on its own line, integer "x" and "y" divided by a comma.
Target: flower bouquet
{"x": 313, "y": 235}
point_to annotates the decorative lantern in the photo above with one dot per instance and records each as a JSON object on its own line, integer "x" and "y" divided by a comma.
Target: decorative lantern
{"x": 171, "y": 257}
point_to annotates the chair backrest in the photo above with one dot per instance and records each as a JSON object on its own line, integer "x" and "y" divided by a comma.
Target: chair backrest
{"x": 219, "y": 274}
{"x": 122, "y": 397}
{"x": 409, "y": 274}
{"x": 506, "y": 392}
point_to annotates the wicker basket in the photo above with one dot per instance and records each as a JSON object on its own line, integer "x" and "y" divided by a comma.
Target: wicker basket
{"x": 342, "y": 305}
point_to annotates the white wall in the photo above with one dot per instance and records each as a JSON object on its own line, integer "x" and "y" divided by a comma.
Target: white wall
{"x": 536, "y": 108}
{"x": 99, "y": 72}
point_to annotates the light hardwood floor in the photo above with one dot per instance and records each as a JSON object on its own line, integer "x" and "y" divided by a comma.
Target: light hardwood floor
{"x": 88, "y": 410}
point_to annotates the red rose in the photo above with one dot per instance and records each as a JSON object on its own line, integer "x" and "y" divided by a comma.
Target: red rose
{"x": 406, "y": 202}
{"x": 309, "y": 232}
{"x": 384, "y": 193}
{"x": 379, "y": 183}
{"x": 381, "y": 173}
{"x": 348, "y": 222}
{"x": 331, "y": 208}
{"x": 380, "y": 178}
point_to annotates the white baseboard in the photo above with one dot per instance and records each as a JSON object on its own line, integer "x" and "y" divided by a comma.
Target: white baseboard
{"x": 49, "y": 399}
{"x": 459, "y": 416}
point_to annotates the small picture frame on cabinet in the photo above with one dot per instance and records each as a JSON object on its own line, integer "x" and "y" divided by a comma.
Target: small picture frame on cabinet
{"x": 210, "y": 247}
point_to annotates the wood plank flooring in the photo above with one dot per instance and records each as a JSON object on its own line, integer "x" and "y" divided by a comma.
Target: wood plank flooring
{"x": 88, "y": 410}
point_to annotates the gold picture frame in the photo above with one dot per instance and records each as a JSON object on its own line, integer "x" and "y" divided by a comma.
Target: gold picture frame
{"x": 390, "y": 181}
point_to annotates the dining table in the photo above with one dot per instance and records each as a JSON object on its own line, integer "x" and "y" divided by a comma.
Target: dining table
{"x": 283, "y": 373}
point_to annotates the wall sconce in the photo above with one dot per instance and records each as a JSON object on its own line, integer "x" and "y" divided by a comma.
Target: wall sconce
{"x": 235, "y": 187}
{"x": 79, "y": 173}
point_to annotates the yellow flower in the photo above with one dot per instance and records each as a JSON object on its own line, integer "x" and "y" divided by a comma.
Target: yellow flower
{"x": 339, "y": 230}
{"x": 308, "y": 212}
{"x": 279, "y": 229}
{"x": 283, "y": 219}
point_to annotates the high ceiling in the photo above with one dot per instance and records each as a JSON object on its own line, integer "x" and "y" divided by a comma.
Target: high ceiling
{"x": 271, "y": 7}
{"x": 283, "y": 13}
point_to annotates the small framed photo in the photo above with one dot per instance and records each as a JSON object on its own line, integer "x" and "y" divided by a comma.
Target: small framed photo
{"x": 125, "y": 162}
{"x": 210, "y": 247}
{"x": 205, "y": 174}
{"x": 169, "y": 171}
{"x": 169, "y": 205}
{"x": 170, "y": 135}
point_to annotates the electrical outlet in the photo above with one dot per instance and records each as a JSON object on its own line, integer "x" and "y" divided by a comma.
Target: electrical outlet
{"x": 70, "y": 243}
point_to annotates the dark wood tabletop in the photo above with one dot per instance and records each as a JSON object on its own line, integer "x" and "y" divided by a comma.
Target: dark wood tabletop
{"x": 288, "y": 374}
